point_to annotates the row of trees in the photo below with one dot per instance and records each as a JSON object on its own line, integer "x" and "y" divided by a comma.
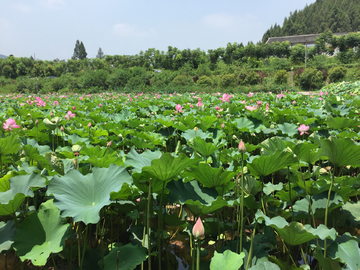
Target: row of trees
{"x": 321, "y": 16}
{"x": 260, "y": 56}
{"x": 80, "y": 52}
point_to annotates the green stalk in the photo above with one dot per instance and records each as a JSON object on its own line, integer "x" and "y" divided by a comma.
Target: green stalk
{"x": 198, "y": 255}
{"x": 327, "y": 208}
{"x": 1, "y": 173}
{"x": 84, "y": 248}
{"x": 242, "y": 202}
{"x": 148, "y": 225}
{"x": 192, "y": 252}
{"x": 291, "y": 206}
{"x": 251, "y": 249}
{"x": 160, "y": 225}
{"x": 218, "y": 223}
{"x": 53, "y": 260}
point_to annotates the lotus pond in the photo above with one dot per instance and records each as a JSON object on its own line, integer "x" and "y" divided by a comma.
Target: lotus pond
{"x": 191, "y": 181}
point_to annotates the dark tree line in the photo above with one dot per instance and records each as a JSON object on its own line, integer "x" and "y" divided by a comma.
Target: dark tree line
{"x": 322, "y": 16}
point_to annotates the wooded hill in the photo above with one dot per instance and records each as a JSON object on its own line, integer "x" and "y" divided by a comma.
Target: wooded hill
{"x": 319, "y": 17}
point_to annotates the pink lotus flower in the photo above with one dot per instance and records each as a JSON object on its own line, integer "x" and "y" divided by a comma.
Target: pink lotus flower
{"x": 108, "y": 144}
{"x": 242, "y": 147}
{"x": 250, "y": 94}
{"x": 302, "y": 129}
{"x": 178, "y": 107}
{"x": 10, "y": 124}
{"x": 251, "y": 108}
{"x": 294, "y": 102}
{"x": 198, "y": 230}
{"x": 199, "y": 104}
{"x": 100, "y": 105}
{"x": 225, "y": 97}
{"x": 217, "y": 108}
{"x": 89, "y": 125}
{"x": 74, "y": 108}
{"x": 56, "y": 102}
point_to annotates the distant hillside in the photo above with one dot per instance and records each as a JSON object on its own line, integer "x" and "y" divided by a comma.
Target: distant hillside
{"x": 3, "y": 56}
{"x": 321, "y": 16}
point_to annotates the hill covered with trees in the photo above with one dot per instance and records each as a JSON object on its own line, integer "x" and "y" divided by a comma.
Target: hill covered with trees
{"x": 322, "y": 16}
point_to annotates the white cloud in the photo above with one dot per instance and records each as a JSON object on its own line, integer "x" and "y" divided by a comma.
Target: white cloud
{"x": 24, "y": 8}
{"x": 131, "y": 30}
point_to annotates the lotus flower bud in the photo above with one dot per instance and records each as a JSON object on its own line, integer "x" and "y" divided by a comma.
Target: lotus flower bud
{"x": 61, "y": 128}
{"x": 198, "y": 230}
{"x": 36, "y": 122}
{"x": 108, "y": 144}
{"x": 242, "y": 147}
{"x": 89, "y": 125}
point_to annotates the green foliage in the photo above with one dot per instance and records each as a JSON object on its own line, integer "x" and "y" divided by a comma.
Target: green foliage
{"x": 353, "y": 74}
{"x": 277, "y": 63}
{"x": 8, "y": 71}
{"x": 311, "y": 79}
{"x": 204, "y": 81}
{"x": 281, "y": 77}
{"x": 337, "y": 74}
{"x": 228, "y": 80}
{"x": 182, "y": 80}
{"x": 252, "y": 78}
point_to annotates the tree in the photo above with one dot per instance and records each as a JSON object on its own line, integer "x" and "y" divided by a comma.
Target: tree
{"x": 100, "y": 54}
{"x": 79, "y": 51}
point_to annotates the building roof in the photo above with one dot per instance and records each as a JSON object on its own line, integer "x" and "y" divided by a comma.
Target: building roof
{"x": 300, "y": 39}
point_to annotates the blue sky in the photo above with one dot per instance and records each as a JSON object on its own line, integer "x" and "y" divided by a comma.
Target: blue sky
{"x": 50, "y": 28}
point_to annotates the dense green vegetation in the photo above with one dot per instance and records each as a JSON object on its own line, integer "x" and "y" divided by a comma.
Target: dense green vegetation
{"x": 319, "y": 17}
{"x": 235, "y": 68}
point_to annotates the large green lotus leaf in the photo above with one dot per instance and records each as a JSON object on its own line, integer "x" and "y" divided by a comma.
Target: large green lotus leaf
{"x": 209, "y": 176}
{"x": 229, "y": 260}
{"x": 53, "y": 123}
{"x": 82, "y": 196}
{"x": 182, "y": 192}
{"x": 33, "y": 154}
{"x": 244, "y": 124}
{"x": 326, "y": 263}
{"x": 296, "y": 233}
{"x": 141, "y": 181}
{"x": 138, "y": 161}
{"x": 288, "y": 129}
{"x": 341, "y": 152}
{"x": 265, "y": 165}
{"x": 346, "y": 248}
{"x": 168, "y": 167}
{"x": 269, "y": 146}
{"x": 189, "y": 121}
{"x": 125, "y": 258}
{"x": 9, "y": 145}
{"x": 353, "y": 210}
{"x": 199, "y": 200}
{"x": 75, "y": 139}
{"x": 265, "y": 266}
{"x": 7, "y": 235}
{"x": 341, "y": 123}
{"x": 319, "y": 202}
{"x": 41, "y": 234}
{"x": 199, "y": 209}
{"x": 201, "y": 146}
{"x": 207, "y": 121}
{"x": 192, "y": 134}
{"x": 104, "y": 162}
{"x": 307, "y": 152}
{"x": 141, "y": 143}
{"x": 42, "y": 149}
{"x": 20, "y": 187}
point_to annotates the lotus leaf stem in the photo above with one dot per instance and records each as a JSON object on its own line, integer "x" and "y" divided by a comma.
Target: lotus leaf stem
{"x": 248, "y": 263}
{"x": 198, "y": 254}
{"x": 327, "y": 207}
{"x": 242, "y": 202}
{"x": 148, "y": 225}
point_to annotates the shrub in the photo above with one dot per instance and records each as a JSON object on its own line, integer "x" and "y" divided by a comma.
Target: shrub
{"x": 182, "y": 80}
{"x": 119, "y": 78}
{"x": 252, "y": 78}
{"x": 337, "y": 74}
{"x": 281, "y": 77}
{"x": 228, "y": 80}
{"x": 311, "y": 79}
{"x": 353, "y": 74}
{"x": 204, "y": 81}
{"x": 277, "y": 63}
{"x": 135, "y": 82}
